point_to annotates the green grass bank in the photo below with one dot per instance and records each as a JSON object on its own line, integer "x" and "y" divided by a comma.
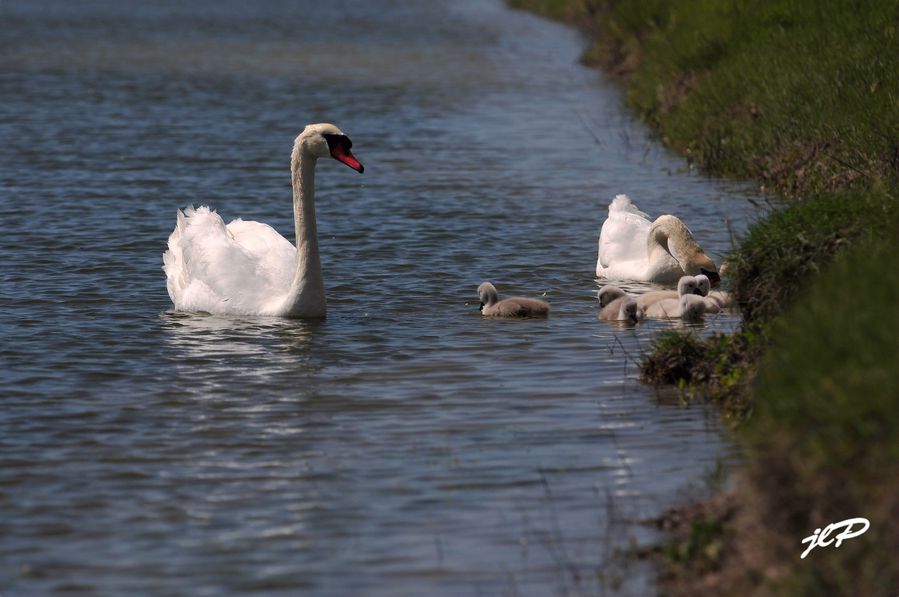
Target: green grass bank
{"x": 802, "y": 97}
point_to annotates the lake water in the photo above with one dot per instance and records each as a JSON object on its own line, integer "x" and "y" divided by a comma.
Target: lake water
{"x": 404, "y": 446}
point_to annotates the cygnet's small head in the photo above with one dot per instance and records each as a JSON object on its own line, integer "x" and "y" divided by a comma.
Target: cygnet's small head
{"x": 687, "y": 285}
{"x": 692, "y": 307}
{"x": 608, "y": 293}
{"x": 629, "y": 311}
{"x": 326, "y": 140}
{"x": 487, "y": 294}
{"x": 703, "y": 284}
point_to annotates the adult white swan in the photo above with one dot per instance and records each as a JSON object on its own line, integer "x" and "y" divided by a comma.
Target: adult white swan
{"x": 631, "y": 247}
{"x": 247, "y": 268}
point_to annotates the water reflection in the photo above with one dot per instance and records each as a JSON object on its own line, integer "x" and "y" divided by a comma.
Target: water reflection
{"x": 205, "y": 335}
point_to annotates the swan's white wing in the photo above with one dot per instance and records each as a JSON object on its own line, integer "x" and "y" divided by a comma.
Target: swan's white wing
{"x": 237, "y": 268}
{"x": 622, "y": 241}
{"x": 275, "y": 256}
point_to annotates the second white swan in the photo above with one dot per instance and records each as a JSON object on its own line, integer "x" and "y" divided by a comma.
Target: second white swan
{"x": 631, "y": 247}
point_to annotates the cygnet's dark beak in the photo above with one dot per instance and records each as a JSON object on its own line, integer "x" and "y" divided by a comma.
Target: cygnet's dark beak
{"x": 481, "y": 307}
{"x": 340, "y": 145}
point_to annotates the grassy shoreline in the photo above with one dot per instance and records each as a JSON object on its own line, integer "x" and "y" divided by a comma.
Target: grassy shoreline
{"x": 802, "y": 97}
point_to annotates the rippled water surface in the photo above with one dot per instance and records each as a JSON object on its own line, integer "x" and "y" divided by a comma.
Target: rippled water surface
{"x": 404, "y": 446}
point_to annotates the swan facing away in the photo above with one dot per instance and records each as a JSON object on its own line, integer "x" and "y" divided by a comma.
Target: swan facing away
{"x": 514, "y": 306}
{"x": 631, "y": 247}
{"x": 247, "y": 268}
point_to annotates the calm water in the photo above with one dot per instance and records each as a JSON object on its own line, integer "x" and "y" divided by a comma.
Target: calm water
{"x": 403, "y": 447}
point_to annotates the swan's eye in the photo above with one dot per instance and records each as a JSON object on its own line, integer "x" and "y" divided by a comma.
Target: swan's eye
{"x": 335, "y": 141}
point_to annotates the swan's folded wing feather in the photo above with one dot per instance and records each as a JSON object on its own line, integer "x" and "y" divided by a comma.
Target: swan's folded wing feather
{"x": 214, "y": 271}
{"x": 275, "y": 256}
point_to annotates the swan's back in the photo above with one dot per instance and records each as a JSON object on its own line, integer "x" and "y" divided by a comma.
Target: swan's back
{"x": 242, "y": 268}
{"x": 622, "y": 239}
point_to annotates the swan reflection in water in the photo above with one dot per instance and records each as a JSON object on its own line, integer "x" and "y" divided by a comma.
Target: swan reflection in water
{"x": 266, "y": 352}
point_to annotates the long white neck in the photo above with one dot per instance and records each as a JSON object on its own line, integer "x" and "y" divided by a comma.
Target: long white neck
{"x": 307, "y": 291}
{"x": 673, "y": 235}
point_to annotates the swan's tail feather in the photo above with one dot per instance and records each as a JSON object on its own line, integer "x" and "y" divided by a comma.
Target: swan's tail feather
{"x": 623, "y": 210}
{"x": 176, "y": 260}
{"x": 623, "y": 203}
{"x": 173, "y": 259}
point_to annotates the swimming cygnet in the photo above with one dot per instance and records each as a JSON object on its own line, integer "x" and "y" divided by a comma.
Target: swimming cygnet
{"x": 515, "y": 306}
{"x": 609, "y": 293}
{"x": 622, "y": 308}
{"x": 715, "y": 299}
{"x": 686, "y": 285}
{"x": 689, "y": 307}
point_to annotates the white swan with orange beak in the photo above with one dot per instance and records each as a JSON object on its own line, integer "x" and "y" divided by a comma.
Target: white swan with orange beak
{"x": 247, "y": 268}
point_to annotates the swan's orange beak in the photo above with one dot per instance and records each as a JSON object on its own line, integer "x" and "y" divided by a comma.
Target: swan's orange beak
{"x": 340, "y": 150}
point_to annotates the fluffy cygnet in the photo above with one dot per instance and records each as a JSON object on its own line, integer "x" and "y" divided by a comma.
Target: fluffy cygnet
{"x": 515, "y": 306}
{"x": 703, "y": 284}
{"x": 623, "y": 308}
{"x": 689, "y": 307}
{"x": 715, "y": 299}
{"x": 609, "y": 293}
{"x": 686, "y": 285}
